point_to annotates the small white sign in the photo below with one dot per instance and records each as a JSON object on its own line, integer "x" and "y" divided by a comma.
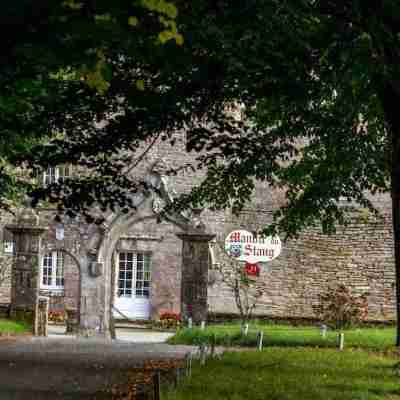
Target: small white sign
{"x": 244, "y": 246}
{"x": 60, "y": 232}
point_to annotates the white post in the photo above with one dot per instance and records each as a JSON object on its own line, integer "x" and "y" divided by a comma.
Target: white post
{"x": 203, "y": 325}
{"x": 260, "y": 340}
{"x": 189, "y": 365}
{"x": 213, "y": 342}
{"x": 324, "y": 329}
{"x": 203, "y": 354}
{"x": 341, "y": 341}
{"x": 246, "y": 329}
{"x": 190, "y": 323}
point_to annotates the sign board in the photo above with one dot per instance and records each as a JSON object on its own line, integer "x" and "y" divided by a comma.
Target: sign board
{"x": 244, "y": 246}
{"x": 252, "y": 269}
{"x": 60, "y": 232}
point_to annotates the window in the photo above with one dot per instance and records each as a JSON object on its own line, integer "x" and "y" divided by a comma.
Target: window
{"x": 56, "y": 174}
{"x": 8, "y": 247}
{"x": 53, "y": 271}
{"x": 8, "y": 242}
{"x": 134, "y": 275}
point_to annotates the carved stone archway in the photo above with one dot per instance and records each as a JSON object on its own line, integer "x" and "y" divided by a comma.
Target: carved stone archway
{"x": 73, "y": 312}
{"x": 195, "y": 246}
{"x": 93, "y": 254}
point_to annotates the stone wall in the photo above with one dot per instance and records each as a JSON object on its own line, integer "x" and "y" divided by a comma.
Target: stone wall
{"x": 360, "y": 256}
{"x": 5, "y": 287}
{"x": 5, "y": 261}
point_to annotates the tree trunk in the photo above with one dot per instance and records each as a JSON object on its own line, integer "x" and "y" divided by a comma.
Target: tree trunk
{"x": 390, "y": 100}
{"x": 395, "y": 189}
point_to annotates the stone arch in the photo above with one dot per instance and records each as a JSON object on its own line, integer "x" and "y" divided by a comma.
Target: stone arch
{"x": 108, "y": 245}
{"x": 96, "y": 259}
{"x": 72, "y": 289}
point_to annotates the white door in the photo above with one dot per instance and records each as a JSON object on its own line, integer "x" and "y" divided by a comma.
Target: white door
{"x": 132, "y": 298}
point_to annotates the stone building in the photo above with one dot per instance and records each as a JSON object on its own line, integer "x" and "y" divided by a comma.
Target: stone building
{"x": 134, "y": 265}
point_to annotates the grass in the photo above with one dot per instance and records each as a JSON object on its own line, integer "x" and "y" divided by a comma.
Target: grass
{"x": 13, "y": 327}
{"x": 296, "y": 363}
{"x": 377, "y": 339}
{"x": 292, "y": 374}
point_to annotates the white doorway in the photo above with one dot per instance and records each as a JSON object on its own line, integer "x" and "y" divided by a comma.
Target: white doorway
{"x": 133, "y": 284}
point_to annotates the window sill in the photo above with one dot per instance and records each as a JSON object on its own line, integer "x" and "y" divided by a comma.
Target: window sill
{"x": 52, "y": 291}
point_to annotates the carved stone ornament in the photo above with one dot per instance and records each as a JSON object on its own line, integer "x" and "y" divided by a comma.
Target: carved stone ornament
{"x": 158, "y": 205}
{"x": 159, "y": 167}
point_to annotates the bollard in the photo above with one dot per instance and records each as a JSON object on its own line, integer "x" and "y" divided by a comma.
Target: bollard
{"x": 245, "y": 329}
{"x": 324, "y": 329}
{"x": 42, "y": 317}
{"x": 177, "y": 377}
{"x": 203, "y": 325}
{"x": 203, "y": 354}
{"x": 213, "y": 342}
{"x": 189, "y": 365}
{"x": 190, "y": 323}
{"x": 156, "y": 385}
{"x": 341, "y": 341}
{"x": 260, "y": 337}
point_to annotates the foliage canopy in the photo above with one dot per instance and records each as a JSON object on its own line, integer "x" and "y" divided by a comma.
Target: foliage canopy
{"x": 316, "y": 81}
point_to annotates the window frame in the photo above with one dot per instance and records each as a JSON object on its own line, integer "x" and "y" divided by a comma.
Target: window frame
{"x": 54, "y": 275}
{"x": 146, "y": 270}
{"x": 8, "y": 247}
{"x": 8, "y": 243}
{"x": 61, "y": 172}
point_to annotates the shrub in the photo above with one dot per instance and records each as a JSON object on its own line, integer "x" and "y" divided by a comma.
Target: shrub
{"x": 169, "y": 319}
{"x": 341, "y": 309}
{"x": 57, "y": 316}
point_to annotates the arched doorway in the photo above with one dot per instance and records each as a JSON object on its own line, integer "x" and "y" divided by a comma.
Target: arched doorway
{"x": 60, "y": 281}
{"x": 106, "y": 260}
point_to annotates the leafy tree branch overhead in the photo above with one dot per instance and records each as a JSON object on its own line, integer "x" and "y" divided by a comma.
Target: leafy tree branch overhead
{"x": 316, "y": 80}
{"x": 57, "y": 62}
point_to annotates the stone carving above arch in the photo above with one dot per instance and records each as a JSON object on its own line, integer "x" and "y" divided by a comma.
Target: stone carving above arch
{"x": 152, "y": 200}
{"x": 163, "y": 195}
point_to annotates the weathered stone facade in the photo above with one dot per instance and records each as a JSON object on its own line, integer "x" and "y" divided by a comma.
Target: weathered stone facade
{"x": 360, "y": 255}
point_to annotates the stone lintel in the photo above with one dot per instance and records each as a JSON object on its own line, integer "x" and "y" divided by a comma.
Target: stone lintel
{"x": 142, "y": 237}
{"x": 196, "y": 236}
{"x": 18, "y": 229}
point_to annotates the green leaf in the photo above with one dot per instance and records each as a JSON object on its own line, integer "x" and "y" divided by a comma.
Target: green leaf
{"x": 140, "y": 84}
{"x": 133, "y": 21}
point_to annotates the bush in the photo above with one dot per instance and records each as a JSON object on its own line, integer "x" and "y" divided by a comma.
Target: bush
{"x": 169, "y": 320}
{"x": 57, "y": 316}
{"x": 341, "y": 309}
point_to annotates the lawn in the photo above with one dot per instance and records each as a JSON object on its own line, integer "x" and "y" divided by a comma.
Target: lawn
{"x": 378, "y": 339}
{"x": 296, "y": 363}
{"x": 292, "y": 374}
{"x": 13, "y": 327}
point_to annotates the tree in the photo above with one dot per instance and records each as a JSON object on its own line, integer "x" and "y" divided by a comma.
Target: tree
{"x": 317, "y": 80}
{"x": 320, "y": 83}
{"x": 342, "y": 309}
{"x": 246, "y": 290}
{"x": 56, "y": 66}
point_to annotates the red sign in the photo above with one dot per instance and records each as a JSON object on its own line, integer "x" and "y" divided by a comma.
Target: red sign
{"x": 252, "y": 269}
